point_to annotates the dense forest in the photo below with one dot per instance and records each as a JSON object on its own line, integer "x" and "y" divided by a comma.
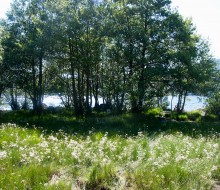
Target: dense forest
{"x": 129, "y": 53}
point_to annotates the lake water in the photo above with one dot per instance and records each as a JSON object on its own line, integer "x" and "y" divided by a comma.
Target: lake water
{"x": 192, "y": 102}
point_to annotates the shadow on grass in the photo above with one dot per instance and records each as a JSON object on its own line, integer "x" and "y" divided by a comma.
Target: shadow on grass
{"x": 124, "y": 125}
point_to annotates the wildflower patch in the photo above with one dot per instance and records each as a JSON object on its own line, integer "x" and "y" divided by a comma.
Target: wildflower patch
{"x": 31, "y": 159}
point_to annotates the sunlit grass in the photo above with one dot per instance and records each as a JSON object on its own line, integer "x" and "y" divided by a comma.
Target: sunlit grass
{"x": 30, "y": 159}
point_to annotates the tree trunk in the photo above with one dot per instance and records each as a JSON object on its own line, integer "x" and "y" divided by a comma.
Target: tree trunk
{"x": 184, "y": 101}
{"x": 14, "y": 101}
{"x": 73, "y": 82}
{"x": 178, "y": 107}
{"x": 34, "y": 86}
{"x": 1, "y": 90}
{"x": 95, "y": 92}
{"x": 123, "y": 91}
{"x": 90, "y": 95}
{"x": 95, "y": 85}
{"x": 141, "y": 90}
{"x": 40, "y": 85}
{"x": 87, "y": 91}
{"x": 80, "y": 110}
{"x": 171, "y": 103}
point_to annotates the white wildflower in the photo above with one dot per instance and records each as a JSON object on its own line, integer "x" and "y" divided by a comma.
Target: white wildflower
{"x": 32, "y": 154}
{"x": 214, "y": 168}
{"x": 44, "y": 144}
{"x": 215, "y": 145}
{"x": 13, "y": 145}
{"x": 180, "y": 158}
{"x": 3, "y": 155}
{"x": 52, "y": 138}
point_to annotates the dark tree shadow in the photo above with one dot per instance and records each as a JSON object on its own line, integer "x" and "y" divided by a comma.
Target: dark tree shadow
{"x": 124, "y": 125}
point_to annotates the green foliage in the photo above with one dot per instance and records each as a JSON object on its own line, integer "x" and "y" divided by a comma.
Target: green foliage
{"x": 182, "y": 117}
{"x": 167, "y": 114}
{"x": 213, "y": 106}
{"x": 154, "y": 112}
{"x": 102, "y": 176}
{"x": 124, "y": 52}
{"x": 123, "y": 124}
{"x": 194, "y": 115}
{"x": 210, "y": 118}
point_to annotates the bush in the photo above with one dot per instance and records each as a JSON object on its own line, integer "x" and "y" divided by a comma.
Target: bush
{"x": 182, "y": 117}
{"x": 167, "y": 114}
{"x": 154, "y": 112}
{"x": 210, "y": 117}
{"x": 173, "y": 115}
{"x": 213, "y": 106}
{"x": 194, "y": 115}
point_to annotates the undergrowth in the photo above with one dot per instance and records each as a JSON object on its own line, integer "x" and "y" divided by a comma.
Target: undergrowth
{"x": 35, "y": 159}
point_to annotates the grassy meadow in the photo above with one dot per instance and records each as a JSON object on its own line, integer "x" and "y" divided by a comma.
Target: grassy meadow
{"x": 107, "y": 152}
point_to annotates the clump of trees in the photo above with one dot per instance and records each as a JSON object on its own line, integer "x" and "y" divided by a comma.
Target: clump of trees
{"x": 125, "y": 52}
{"x": 213, "y": 106}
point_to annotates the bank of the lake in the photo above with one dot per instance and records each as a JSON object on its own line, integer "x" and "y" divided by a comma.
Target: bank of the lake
{"x": 193, "y": 102}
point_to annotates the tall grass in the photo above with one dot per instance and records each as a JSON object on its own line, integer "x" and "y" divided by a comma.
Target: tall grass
{"x": 32, "y": 159}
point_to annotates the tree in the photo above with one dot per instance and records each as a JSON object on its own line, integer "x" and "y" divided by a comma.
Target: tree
{"x": 125, "y": 52}
{"x": 79, "y": 47}
{"x": 191, "y": 64}
{"x": 137, "y": 32}
{"x": 27, "y": 45}
{"x": 2, "y": 80}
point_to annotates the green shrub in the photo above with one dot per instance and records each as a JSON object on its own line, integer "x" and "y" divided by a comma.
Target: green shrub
{"x": 154, "y": 112}
{"x": 210, "y": 117}
{"x": 167, "y": 114}
{"x": 213, "y": 106}
{"x": 182, "y": 117}
{"x": 194, "y": 115}
{"x": 173, "y": 115}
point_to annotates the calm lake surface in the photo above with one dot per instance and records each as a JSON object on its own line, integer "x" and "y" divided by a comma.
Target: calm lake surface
{"x": 192, "y": 102}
